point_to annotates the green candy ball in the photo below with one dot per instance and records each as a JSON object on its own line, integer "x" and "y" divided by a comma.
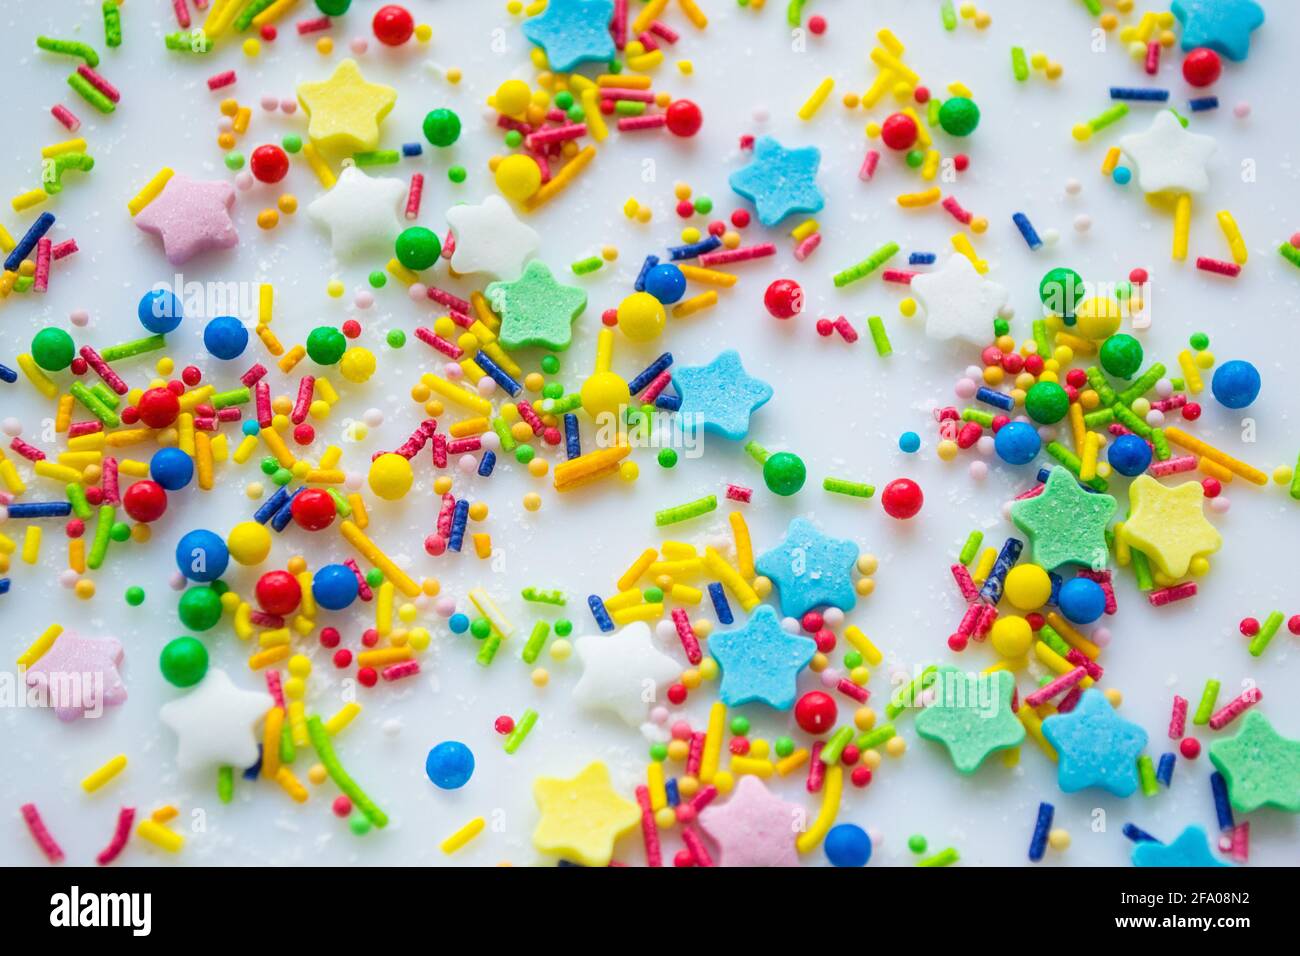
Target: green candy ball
{"x": 53, "y": 349}
{"x": 1061, "y": 290}
{"x": 418, "y": 248}
{"x": 442, "y": 127}
{"x": 1121, "y": 355}
{"x": 480, "y": 627}
{"x": 326, "y": 345}
{"x": 200, "y": 608}
{"x": 959, "y": 116}
{"x": 784, "y": 473}
{"x": 333, "y": 8}
{"x": 1047, "y": 403}
{"x": 135, "y": 596}
{"x": 667, "y": 458}
{"x": 184, "y": 661}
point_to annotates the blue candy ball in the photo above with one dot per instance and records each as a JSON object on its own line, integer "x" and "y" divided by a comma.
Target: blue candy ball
{"x": 909, "y": 442}
{"x": 459, "y": 623}
{"x": 159, "y": 311}
{"x": 450, "y": 765}
{"x": 1081, "y": 600}
{"x": 848, "y": 845}
{"x": 171, "y": 468}
{"x": 225, "y": 337}
{"x": 334, "y": 586}
{"x": 202, "y": 556}
{"x": 1017, "y": 443}
{"x": 666, "y": 283}
{"x": 1235, "y": 384}
{"x": 250, "y": 427}
{"x": 1122, "y": 175}
{"x": 1129, "y": 455}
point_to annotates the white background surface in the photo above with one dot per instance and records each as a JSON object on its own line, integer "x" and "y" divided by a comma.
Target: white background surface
{"x": 838, "y": 406}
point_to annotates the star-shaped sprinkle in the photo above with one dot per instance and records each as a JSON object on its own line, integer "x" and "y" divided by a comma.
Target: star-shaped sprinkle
{"x": 344, "y": 111}
{"x": 1168, "y": 524}
{"x": 618, "y": 668}
{"x": 535, "y": 309}
{"x": 810, "y": 569}
{"x": 1096, "y": 747}
{"x": 214, "y": 723}
{"x": 1224, "y": 26}
{"x": 959, "y": 303}
{"x": 719, "y": 397}
{"x": 971, "y": 715}
{"x": 754, "y": 827}
{"x": 360, "y": 212}
{"x": 79, "y": 675}
{"x": 1064, "y": 523}
{"x": 1192, "y": 848}
{"x": 760, "y": 661}
{"x": 190, "y": 216}
{"x": 1167, "y": 158}
{"x": 1260, "y": 766}
{"x": 490, "y": 239}
{"x": 573, "y": 32}
{"x": 582, "y": 817}
{"x": 780, "y": 181}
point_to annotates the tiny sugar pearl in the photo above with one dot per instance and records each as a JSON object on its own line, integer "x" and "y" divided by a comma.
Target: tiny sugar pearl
{"x": 225, "y": 124}
{"x": 659, "y": 715}
{"x": 1164, "y": 388}
{"x": 353, "y": 481}
{"x": 486, "y": 386}
{"x": 1241, "y": 110}
{"x": 974, "y": 372}
{"x": 490, "y": 441}
{"x": 979, "y": 470}
{"x": 833, "y": 617}
{"x": 1050, "y": 237}
{"x": 288, "y": 106}
{"x": 1101, "y": 637}
{"x": 270, "y": 103}
{"x": 666, "y": 631}
{"x": 965, "y": 388}
{"x": 418, "y": 291}
{"x": 453, "y": 371}
{"x": 13, "y": 427}
{"x": 358, "y": 45}
{"x": 467, "y": 464}
{"x": 79, "y": 317}
{"x": 363, "y": 299}
{"x": 1155, "y": 418}
{"x": 985, "y": 446}
{"x": 1007, "y": 312}
{"x": 761, "y": 114}
{"x": 1082, "y": 222}
{"x": 243, "y": 181}
{"x": 1006, "y": 510}
{"x": 373, "y": 417}
{"x": 1220, "y": 505}
{"x": 68, "y": 578}
{"x": 446, "y": 606}
{"x": 790, "y": 625}
{"x": 830, "y": 677}
{"x": 1073, "y": 187}
{"x": 177, "y": 580}
{"x": 391, "y": 728}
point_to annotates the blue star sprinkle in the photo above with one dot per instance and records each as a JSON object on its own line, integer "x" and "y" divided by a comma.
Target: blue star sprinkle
{"x": 719, "y": 397}
{"x": 1096, "y": 746}
{"x": 760, "y": 661}
{"x": 573, "y": 32}
{"x": 1192, "y": 848}
{"x": 810, "y": 569}
{"x": 1222, "y": 25}
{"x": 780, "y": 181}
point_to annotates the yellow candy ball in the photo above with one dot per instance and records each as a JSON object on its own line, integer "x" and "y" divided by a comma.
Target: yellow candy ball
{"x": 249, "y": 542}
{"x": 1058, "y": 839}
{"x": 512, "y": 97}
{"x": 641, "y": 317}
{"x": 1098, "y": 318}
{"x": 357, "y": 364}
{"x": 532, "y": 501}
{"x": 1011, "y": 636}
{"x": 1027, "y": 587}
{"x": 518, "y": 177}
{"x": 604, "y": 393}
{"x": 390, "y": 476}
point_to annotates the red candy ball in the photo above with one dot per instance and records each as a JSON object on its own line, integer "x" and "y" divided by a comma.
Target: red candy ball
{"x": 740, "y": 218}
{"x": 368, "y": 676}
{"x": 351, "y": 328}
{"x": 1249, "y": 627}
{"x": 812, "y": 622}
{"x": 278, "y": 592}
{"x": 158, "y": 407}
{"x": 957, "y": 642}
{"x": 739, "y": 746}
{"x": 342, "y": 658}
{"x": 330, "y": 637}
{"x": 79, "y": 366}
{"x": 504, "y": 724}
{"x": 899, "y": 131}
{"x": 784, "y": 299}
{"x": 434, "y": 545}
{"x": 313, "y": 509}
{"x": 191, "y": 375}
{"x": 1190, "y": 748}
{"x": 269, "y": 163}
{"x": 815, "y": 712}
{"x": 1293, "y": 624}
{"x": 393, "y": 25}
{"x": 684, "y": 118}
{"x": 1211, "y": 487}
{"x": 961, "y": 161}
{"x": 861, "y": 776}
{"x": 825, "y": 639}
{"x": 370, "y": 637}
{"x": 145, "y": 501}
{"x": 75, "y": 528}
{"x": 341, "y": 806}
{"x": 817, "y": 25}
{"x": 825, "y": 327}
{"x": 902, "y": 498}
{"x": 1201, "y": 67}
{"x": 1191, "y": 411}
{"x": 686, "y": 209}
{"x": 677, "y": 694}
{"x": 304, "y": 434}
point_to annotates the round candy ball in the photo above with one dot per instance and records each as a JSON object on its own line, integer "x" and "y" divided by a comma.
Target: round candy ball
{"x": 313, "y": 509}
{"x": 1047, "y": 403}
{"x": 1121, "y": 355}
{"x": 390, "y": 476}
{"x": 171, "y": 467}
{"x": 1201, "y": 66}
{"x": 145, "y": 501}
{"x": 159, "y": 408}
{"x": 1235, "y": 384}
{"x": 53, "y": 349}
{"x": 202, "y": 556}
{"x": 269, "y": 163}
{"x": 1011, "y": 636}
{"x": 200, "y": 608}
{"x": 159, "y": 311}
{"x": 1097, "y": 318}
{"x": 783, "y": 299}
{"x": 784, "y": 473}
{"x": 847, "y": 844}
{"x": 249, "y": 542}
{"x": 518, "y": 177}
{"x": 418, "y": 248}
{"x": 1027, "y": 587}
{"x": 666, "y": 283}
{"x": 184, "y": 661}
{"x": 1081, "y": 600}
{"x": 441, "y": 127}
{"x": 278, "y": 592}
{"x": 326, "y": 345}
{"x": 450, "y": 765}
{"x": 1061, "y": 291}
{"x": 683, "y": 118}
{"x": 1129, "y": 455}
{"x": 334, "y": 587}
{"x": 902, "y": 498}
{"x": 225, "y": 337}
{"x": 641, "y": 317}
{"x": 898, "y": 131}
{"x": 333, "y": 8}
{"x": 959, "y": 116}
{"x": 1017, "y": 443}
{"x": 393, "y": 25}
{"x": 815, "y": 712}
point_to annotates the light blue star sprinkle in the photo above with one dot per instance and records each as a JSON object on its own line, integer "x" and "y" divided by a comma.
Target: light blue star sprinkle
{"x": 1096, "y": 747}
{"x": 719, "y": 397}
{"x": 573, "y": 32}
{"x": 780, "y": 181}
{"x": 1192, "y": 848}
{"x": 810, "y": 569}
{"x": 1222, "y": 25}
{"x": 760, "y": 661}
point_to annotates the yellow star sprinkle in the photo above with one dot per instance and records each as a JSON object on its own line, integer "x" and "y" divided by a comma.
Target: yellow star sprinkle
{"x": 582, "y": 817}
{"x": 344, "y": 111}
{"x": 1168, "y": 524}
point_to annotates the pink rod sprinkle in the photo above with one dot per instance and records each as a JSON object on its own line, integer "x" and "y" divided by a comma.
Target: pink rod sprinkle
{"x": 1236, "y": 707}
{"x": 618, "y": 24}
{"x": 66, "y": 117}
{"x": 104, "y": 370}
{"x": 693, "y": 843}
{"x": 108, "y": 481}
{"x": 690, "y": 643}
{"x": 413, "y": 195}
{"x": 41, "y": 282}
{"x": 77, "y": 429}
{"x": 649, "y": 829}
{"x": 1172, "y": 466}
{"x": 434, "y": 340}
{"x": 313, "y": 26}
{"x": 1178, "y": 719}
{"x": 49, "y": 846}
{"x": 1178, "y": 592}
{"x": 903, "y": 276}
{"x": 220, "y": 80}
{"x": 816, "y": 769}
{"x": 452, "y": 302}
{"x": 955, "y": 210}
{"x": 253, "y": 375}
{"x": 1058, "y": 686}
{"x": 743, "y": 254}
{"x": 664, "y": 32}
{"x": 363, "y": 588}
{"x": 806, "y": 247}
{"x": 630, "y": 124}
{"x": 1218, "y": 267}
{"x": 618, "y": 93}
{"x": 1153, "y": 58}
{"x": 274, "y": 687}
{"x": 98, "y": 82}
{"x": 695, "y": 755}
{"x": 855, "y": 691}
{"x": 964, "y": 583}
{"x": 262, "y": 401}
{"x": 868, "y": 167}
{"x": 121, "y": 832}
{"x": 398, "y": 671}
{"x": 183, "y": 18}
{"x": 30, "y": 452}
{"x": 306, "y": 387}
{"x": 740, "y": 493}
{"x": 64, "y": 249}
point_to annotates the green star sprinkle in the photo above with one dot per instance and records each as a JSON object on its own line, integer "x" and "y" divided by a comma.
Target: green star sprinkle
{"x": 535, "y": 309}
{"x": 1260, "y": 766}
{"x": 1065, "y": 524}
{"x": 971, "y": 715}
